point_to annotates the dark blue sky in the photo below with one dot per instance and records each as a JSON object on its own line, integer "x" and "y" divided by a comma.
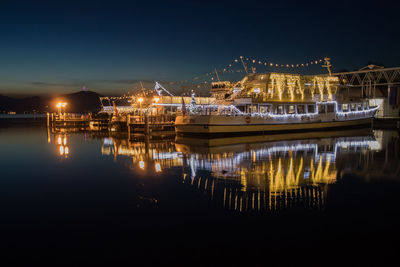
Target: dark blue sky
{"x": 56, "y": 46}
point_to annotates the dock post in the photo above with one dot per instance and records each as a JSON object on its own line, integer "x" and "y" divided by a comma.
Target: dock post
{"x": 146, "y": 124}
{"x": 128, "y": 122}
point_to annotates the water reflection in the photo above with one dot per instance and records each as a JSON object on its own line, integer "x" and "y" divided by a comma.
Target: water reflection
{"x": 274, "y": 174}
{"x": 259, "y": 173}
{"x": 61, "y": 141}
{"x": 147, "y": 155}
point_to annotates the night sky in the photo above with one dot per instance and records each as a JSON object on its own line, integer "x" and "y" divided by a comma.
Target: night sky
{"x": 57, "y": 47}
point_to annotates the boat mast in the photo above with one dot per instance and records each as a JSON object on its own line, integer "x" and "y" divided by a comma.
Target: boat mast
{"x": 216, "y": 73}
{"x": 328, "y": 65}
{"x": 244, "y": 65}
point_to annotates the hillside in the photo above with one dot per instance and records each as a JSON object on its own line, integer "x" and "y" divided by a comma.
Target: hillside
{"x": 79, "y": 102}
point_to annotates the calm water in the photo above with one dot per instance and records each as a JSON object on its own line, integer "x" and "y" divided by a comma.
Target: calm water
{"x": 90, "y": 197}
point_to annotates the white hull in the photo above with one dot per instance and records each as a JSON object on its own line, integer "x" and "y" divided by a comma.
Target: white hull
{"x": 217, "y": 124}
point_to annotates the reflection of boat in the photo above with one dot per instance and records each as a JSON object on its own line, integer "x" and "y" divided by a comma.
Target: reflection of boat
{"x": 277, "y": 171}
{"x": 187, "y": 143}
{"x": 147, "y": 154}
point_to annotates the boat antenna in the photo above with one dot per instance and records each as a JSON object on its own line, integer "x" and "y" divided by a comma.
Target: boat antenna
{"x": 328, "y": 65}
{"x": 244, "y": 65}
{"x": 141, "y": 85}
{"x": 216, "y": 73}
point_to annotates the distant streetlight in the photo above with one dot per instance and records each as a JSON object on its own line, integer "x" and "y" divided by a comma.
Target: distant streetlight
{"x": 61, "y": 105}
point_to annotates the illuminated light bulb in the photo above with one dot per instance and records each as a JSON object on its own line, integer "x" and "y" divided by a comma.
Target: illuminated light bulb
{"x": 140, "y": 100}
{"x": 61, "y": 150}
{"x": 157, "y": 167}
{"x": 66, "y": 150}
{"x": 65, "y": 141}
{"x": 141, "y": 164}
{"x": 59, "y": 141}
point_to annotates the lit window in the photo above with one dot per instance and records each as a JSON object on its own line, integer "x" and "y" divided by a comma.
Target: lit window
{"x": 301, "y": 109}
{"x": 322, "y": 109}
{"x": 359, "y": 106}
{"x": 265, "y": 109}
{"x": 353, "y": 107}
{"x": 291, "y": 109}
{"x": 345, "y": 107}
{"x": 279, "y": 110}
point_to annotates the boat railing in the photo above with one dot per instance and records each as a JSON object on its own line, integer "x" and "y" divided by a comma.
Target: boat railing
{"x": 231, "y": 110}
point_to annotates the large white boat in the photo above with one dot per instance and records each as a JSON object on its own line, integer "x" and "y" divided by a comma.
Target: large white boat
{"x": 281, "y": 117}
{"x": 274, "y": 102}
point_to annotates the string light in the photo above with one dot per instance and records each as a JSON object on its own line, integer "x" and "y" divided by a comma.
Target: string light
{"x": 235, "y": 111}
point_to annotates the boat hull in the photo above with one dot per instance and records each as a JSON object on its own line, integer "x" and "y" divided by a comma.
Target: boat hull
{"x": 237, "y": 125}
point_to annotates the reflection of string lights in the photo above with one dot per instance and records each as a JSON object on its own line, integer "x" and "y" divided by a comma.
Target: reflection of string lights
{"x": 141, "y": 164}
{"x": 235, "y": 165}
{"x": 157, "y": 167}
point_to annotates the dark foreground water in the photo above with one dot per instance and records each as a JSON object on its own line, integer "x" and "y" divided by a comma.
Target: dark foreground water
{"x": 79, "y": 199}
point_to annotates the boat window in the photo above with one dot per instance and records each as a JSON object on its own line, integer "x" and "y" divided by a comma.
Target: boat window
{"x": 279, "y": 110}
{"x": 359, "y": 106}
{"x": 291, "y": 109}
{"x": 241, "y": 108}
{"x": 301, "y": 109}
{"x": 311, "y": 108}
{"x": 352, "y": 107}
{"x": 322, "y": 109}
{"x": 345, "y": 107}
{"x": 331, "y": 108}
{"x": 265, "y": 109}
{"x": 365, "y": 105}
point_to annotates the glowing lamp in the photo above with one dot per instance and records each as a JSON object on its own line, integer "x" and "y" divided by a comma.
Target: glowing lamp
{"x": 140, "y": 100}
{"x": 156, "y": 99}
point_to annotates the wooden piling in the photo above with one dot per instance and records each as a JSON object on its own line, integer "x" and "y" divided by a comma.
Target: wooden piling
{"x": 128, "y": 122}
{"x": 146, "y": 124}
